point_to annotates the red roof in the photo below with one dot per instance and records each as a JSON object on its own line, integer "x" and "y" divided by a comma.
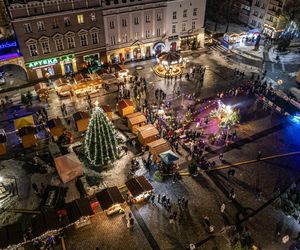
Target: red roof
{"x": 125, "y": 103}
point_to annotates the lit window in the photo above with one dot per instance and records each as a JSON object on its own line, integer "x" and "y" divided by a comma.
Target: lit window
{"x": 40, "y": 25}
{"x": 33, "y": 50}
{"x": 174, "y": 15}
{"x": 83, "y": 40}
{"x": 80, "y": 19}
{"x": 195, "y": 11}
{"x": 45, "y": 47}
{"x": 185, "y": 13}
{"x": 27, "y": 28}
{"x": 148, "y": 19}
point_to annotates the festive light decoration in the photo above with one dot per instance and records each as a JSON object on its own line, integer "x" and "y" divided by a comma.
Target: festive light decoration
{"x": 100, "y": 140}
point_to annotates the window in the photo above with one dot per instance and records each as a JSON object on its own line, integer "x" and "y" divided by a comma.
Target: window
{"x": 158, "y": 32}
{"x": 195, "y": 11}
{"x": 183, "y": 26}
{"x": 124, "y": 22}
{"x": 158, "y": 16}
{"x": 94, "y": 38}
{"x": 261, "y": 16}
{"x": 174, "y": 28}
{"x": 83, "y": 40}
{"x": 136, "y": 20}
{"x": 148, "y": 35}
{"x": 148, "y": 19}
{"x": 255, "y": 13}
{"x": 27, "y": 28}
{"x": 184, "y": 14}
{"x": 112, "y": 24}
{"x": 113, "y": 40}
{"x": 263, "y": 6}
{"x": 193, "y": 25}
{"x": 259, "y": 25}
{"x": 124, "y": 38}
{"x": 174, "y": 15}
{"x": 93, "y": 17}
{"x": 253, "y": 22}
{"x": 67, "y": 21}
{"x": 136, "y": 35}
{"x": 33, "y": 50}
{"x": 59, "y": 44}
{"x": 80, "y": 19}
{"x": 40, "y": 25}
{"x": 45, "y": 47}
{"x": 55, "y": 24}
{"x": 71, "y": 42}
{"x": 257, "y": 3}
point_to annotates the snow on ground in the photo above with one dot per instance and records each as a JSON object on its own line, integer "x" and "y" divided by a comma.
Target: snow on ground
{"x": 249, "y": 52}
{"x": 290, "y": 57}
{"x": 221, "y": 28}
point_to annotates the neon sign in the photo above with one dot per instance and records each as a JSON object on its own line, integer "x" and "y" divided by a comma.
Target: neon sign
{"x": 8, "y": 45}
{"x": 49, "y": 61}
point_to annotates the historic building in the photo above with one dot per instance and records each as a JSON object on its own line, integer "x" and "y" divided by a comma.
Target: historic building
{"x": 58, "y": 37}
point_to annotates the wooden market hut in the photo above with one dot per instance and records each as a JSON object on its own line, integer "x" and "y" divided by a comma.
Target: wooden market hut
{"x": 147, "y": 134}
{"x": 139, "y": 187}
{"x": 3, "y": 140}
{"x": 136, "y": 122}
{"x": 125, "y": 107}
{"x": 28, "y": 136}
{"x": 157, "y": 147}
{"x": 110, "y": 200}
{"x": 107, "y": 109}
{"x": 56, "y": 127}
{"x": 81, "y": 120}
{"x": 24, "y": 122}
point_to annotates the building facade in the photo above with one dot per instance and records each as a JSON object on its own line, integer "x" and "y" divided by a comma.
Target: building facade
{"x": 58, "y": 37}
{"x": 241, "y": 11}
{"x": 265, "y": 16}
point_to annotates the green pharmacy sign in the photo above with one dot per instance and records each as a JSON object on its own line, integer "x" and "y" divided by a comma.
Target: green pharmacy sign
{"x": 49, "y": 61}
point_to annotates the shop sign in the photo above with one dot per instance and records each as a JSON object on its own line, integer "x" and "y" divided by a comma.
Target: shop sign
{"x": 43, "y": 62}
{"x": 67, "y": 58}
{"x": 7, "y": 45}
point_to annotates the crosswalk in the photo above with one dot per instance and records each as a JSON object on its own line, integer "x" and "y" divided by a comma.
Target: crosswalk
{"x": 219, "y": 48}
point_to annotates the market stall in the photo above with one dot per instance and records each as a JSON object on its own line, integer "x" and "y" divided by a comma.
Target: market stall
{"x": 78, "y": 78}
{"x": 24, "y": 122}
{"x": 28, "y": 136}
{"x": 169, "y": 157}
{"x": 108, "y": 111}
{"x": 68, "y": 167}
{"x": 139, "y": 188}
{"x": 136, "y": 122}
{"x": 64, "y": 90}
{"x": 147, "y": 134}
{"x": 109, "y": 79}
{"x": 82, "y": 120}
{"x": 42, "y": 91}
{"x": 125, "y": 107}
{"x": 157, "y": 147}
{"x": 110, "y": 200}
{"x": 3, "y": 140}
{"x": 56, "y": 127}
{"x": 87, "y": 87}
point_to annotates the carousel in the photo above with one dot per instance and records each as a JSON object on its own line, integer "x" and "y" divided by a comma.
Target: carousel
{"x": 169, "y": 64}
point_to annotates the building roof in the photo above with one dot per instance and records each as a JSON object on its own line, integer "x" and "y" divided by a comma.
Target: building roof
{"x": 28, "y": 130}
{"x": 137, "y": 119}
{"x": 158, "y": 146}
{"x": 78, "y": 208}
{"x": 55, "y": 122}
{"x": 23, "y": 122}
{"x": 106, "y": 108}
{"x": 133, "y": 115}
{"x": 81, "y": 115}
{"x": 125, "y": 103}
{"x": 108, "y": 197}
{"x": 147, "y": 131}
{"x": 68, "y": 167}
{"x": 138, "y": 185}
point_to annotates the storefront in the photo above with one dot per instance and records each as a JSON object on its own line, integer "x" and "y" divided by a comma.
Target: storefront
{"x": 51, "y": 66}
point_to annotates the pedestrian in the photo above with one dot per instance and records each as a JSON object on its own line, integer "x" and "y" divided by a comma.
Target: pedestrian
{"x": 35, "y": 187}
{"x": 186, "y": 202}
{"x": 171, "y": 219}
{"x": 179, "y": 202}
{"x": 222, "y": 209}
{"x": 175, "y": 215}
{"x": 153, "y": 198}
{"x": 259, "y": 155}
{"x": 232, "y": 194}
{"x": 221, "y": 156}
{"x": 158, "y": 198}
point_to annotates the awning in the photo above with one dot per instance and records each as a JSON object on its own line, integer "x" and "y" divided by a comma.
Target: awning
{"x": 168, "y": 157}
{"x": 108, "y": 197}
{"x": 24, "y": 122}
{"x": 68, "y": 167}
{"x": 138, "y": 185}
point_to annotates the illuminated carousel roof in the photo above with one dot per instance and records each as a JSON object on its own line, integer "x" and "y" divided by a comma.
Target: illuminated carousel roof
{"x": 169, "y": 57}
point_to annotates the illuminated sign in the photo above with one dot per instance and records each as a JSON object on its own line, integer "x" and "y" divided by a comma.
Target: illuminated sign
{"x": 49, "y": 61}
{"x": 9, "y": 56}
{"x": 8, "y": 45}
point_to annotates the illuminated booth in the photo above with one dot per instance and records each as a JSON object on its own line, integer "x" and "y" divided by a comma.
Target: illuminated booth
{"x": 147, "y": 134}
{"x": 82, "y": 120}
{"x": 139, "y": 188}
{"x": 108, "y": 111}
{"x": 110, "y": 200}
{"x": 136, "y": 122}
{"x": 56, "y": 127}
{"x": 125, "y": 107}
{"x": 157, "y": 147}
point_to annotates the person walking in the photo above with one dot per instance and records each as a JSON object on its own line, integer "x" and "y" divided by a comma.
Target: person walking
{"x": 222, "y": 209}
{"x": 259, "y": 155}
{"x": 221, "y": 156}
{"x": 158, "y": 198}
{"x": 153, "y": 198}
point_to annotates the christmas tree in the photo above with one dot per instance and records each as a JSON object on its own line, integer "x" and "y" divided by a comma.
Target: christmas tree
{"x": 100, "y": 139}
